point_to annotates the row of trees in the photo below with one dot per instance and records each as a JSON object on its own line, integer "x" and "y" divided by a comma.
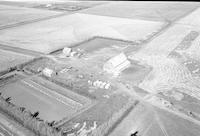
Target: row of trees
{"x": 27, "y": 119}
{"x": 107, "y": 127}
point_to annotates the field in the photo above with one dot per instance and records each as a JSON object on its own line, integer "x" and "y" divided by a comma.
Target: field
{"x": 166, "y": 71}
{"x": 10, "y": 59}
{"x": 50, "y": 104}
{"x": 152, "y": 121}
{"x": 67, "y": 6}
{"x": 192, "y": 19}
{"x": 71, "y": 29}
{"x": 157, "y": 95}
{"x": 156, "y": 11}
{"x": 98, "y": 43}
{"x": 59, "y": 5}
{"x": 187, "y": 103}
{"x": 11, "y": 15}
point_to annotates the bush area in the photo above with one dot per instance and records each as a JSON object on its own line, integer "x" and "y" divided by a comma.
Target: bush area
{"x": 107, "y": 127}
{"x": 27, "y": 119}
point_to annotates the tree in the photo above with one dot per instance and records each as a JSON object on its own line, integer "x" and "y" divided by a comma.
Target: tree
{"x": 35, "y": 114}
{"x": 8, "y": 99}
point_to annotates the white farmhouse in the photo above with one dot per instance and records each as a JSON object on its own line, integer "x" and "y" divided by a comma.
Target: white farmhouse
{"x": 47, "y": 72}
{"x": 116, "y": 64}
{"x": 67, "y": 51}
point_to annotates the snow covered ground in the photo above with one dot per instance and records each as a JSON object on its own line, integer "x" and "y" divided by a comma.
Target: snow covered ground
{"x": 50, "y": 35}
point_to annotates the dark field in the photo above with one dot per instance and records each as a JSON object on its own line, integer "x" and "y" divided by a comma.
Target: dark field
{"x": 51, "y": 105}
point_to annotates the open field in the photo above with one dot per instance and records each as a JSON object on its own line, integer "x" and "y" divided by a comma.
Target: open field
{"x": 34, "y": 97}
{"x": 68, "y": 30}
{"x": 192, "y": 19}
{"x": 10, "y": 59}
{"x": 157, "y": 11}
{"x": 151, "y": 121}
{"x": 61, "y": 4}
{"x": 166, "y": 71}
{"x": 11, "y": 15}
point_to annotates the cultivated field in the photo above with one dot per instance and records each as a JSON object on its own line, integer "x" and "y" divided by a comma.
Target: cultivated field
{"x": 157, "y": 11}
{"x": 50, "y": 35}
{"x": 11, "y": 15}
{"x": 166, "y": 71}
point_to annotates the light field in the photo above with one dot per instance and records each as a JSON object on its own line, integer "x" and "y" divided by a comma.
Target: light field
{"x": 156, "y": 11}
{"x": 54, "y": 34}
{"x": 192, "y": 19}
